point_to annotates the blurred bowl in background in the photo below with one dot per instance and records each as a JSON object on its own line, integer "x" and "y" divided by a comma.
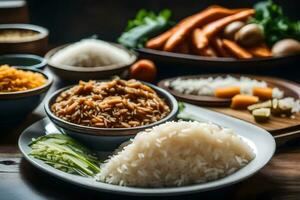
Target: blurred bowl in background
{"x": 23, "y": 60}
{"x": 13, "y": 11}
{"x": 14, "y": 106}
{"x": 75, "y": 73}
{"x": 23, "y": 38}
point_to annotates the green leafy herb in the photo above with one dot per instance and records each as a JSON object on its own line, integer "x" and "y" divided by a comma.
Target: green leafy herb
{"x": 145, "y": 25}
{"x": 65, "y": 154}
{"x": 275, "y": 24}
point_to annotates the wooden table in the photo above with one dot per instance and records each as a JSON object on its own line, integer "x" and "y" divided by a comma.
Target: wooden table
{"x": 280, "y": 179}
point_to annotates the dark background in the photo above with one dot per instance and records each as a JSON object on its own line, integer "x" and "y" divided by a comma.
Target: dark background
{"x": 72, "y": 20}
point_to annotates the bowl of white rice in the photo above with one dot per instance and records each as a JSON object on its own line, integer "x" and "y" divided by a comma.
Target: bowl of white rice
{"x": 89, "y": 59}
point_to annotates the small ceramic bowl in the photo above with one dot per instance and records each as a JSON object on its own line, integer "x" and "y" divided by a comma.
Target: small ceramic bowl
{"x": 74, "y": 73}
{"x": 35, "y": 45}
{"x": 23, "y": 60}
{"x": 106, "y": 139}
{"x": 14, "y": 106}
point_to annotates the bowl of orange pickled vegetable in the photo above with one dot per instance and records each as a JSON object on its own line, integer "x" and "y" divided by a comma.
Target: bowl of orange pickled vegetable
{"x": 21, "y": 91}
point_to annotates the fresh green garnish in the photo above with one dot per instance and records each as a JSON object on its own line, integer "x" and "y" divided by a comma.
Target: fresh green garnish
{"x": 186, "y": 116}
{"x": 145, "y": 25}
{"x": 276, "y": 25}
{"x": 181, "y": 106}
{"x": 65, "y": 154}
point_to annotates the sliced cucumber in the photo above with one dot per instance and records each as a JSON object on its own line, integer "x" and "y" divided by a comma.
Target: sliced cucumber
{"x": 266, "y": 104}
{"x": 261, "y": 114}
{"x": 64, "y": 153}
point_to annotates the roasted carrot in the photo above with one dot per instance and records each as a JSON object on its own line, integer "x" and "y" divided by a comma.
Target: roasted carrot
{"x": 264, "y": 93}
{"x": 227, "y": 92}
{"x": 196, "y": 35}
{"x": 183, "y": 47}
{"x": 242, "y": 101}
{"x": 217, "y": 43}
{"x": 261, "y": 51}
{"x": 159, "y": 41}
{"x": 204, "y": 17}
{"x": 208, "y": 51}
{"x": 214, "y": 27}
{"x": 235, "y": 49}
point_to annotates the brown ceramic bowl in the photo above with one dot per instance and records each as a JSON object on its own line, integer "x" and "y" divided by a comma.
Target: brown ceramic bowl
{"x": 74, "y": 73}
{"x": 35, "y": 45}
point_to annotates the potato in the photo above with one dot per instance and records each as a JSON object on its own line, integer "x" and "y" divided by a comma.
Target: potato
{"x": 250, "y": 35}
{"x": 286, "y": 47}
{"x": 231, "y": 29}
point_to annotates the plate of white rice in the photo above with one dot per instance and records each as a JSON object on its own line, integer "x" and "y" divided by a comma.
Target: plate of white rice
{"x": 174, "y": 158}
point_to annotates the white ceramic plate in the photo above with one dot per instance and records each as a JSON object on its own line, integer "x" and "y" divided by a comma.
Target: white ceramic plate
{"x": 260, "y": 140}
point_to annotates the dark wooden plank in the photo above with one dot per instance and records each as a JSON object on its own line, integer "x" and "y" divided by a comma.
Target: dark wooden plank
{"x": 280, "y": 179}
{"x": 9, "y": 163}
{"x": 275, "y": 125}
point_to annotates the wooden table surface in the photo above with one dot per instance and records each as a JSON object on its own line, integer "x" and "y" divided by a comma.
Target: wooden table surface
{"x": 280, "y": 179}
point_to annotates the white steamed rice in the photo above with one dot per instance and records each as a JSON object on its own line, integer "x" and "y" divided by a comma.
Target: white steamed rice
{"x": 207, "y": 86}
{"x": 90, "y": 53}
{"x": 176, "y": 154}
{"x": 293, "y": 103}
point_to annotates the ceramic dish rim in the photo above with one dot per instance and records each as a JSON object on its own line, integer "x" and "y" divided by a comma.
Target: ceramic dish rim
{"x": 42, "y": 61}
{"x": 42, "y": 32}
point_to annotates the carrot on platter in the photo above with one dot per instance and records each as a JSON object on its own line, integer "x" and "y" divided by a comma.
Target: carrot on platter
{"x": 264, "y": 93}
{"x": 242, "y": 101}
{"x": 214, "y": 27}
{"x": 159, "y": 41}
{"x": 227, "y": 92}
{"x": 261, "y": 51}
{"x": 204, "y": 17}
{"x": 235, "y": 49}
{"x": 217, "y": 43}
